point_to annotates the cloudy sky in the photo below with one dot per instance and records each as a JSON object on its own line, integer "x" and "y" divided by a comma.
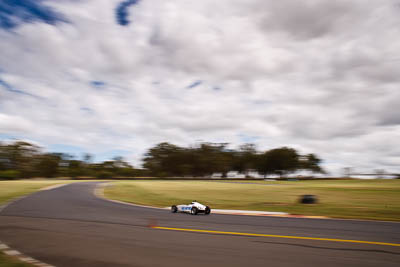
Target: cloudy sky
{"x": 115, "y": 77}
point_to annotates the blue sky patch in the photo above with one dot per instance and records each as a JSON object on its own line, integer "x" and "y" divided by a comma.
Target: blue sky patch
{"x": 86, "y": 109}
{"x": 108, "y": 155}
{"x": 11, "y": 89}
{"x": 195, "y": 84}
{"x": 248, "y": 138}
{"x": 98, "y": 84}
{"x": 122, "y": 12}
{"x": 4, "y": 137}
{"x": 15, "y": 12}
{"x": 75, "y": 151}
{"x": 78, "y": 152}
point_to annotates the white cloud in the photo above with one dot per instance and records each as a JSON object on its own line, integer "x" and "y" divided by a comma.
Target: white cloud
{"x": 320, "y": 76}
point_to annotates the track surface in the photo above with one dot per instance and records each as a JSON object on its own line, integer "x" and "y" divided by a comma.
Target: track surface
{"x": 69, "y": 226}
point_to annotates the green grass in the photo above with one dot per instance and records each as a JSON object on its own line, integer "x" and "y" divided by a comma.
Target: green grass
{"x": 7, "y": 261}
{"x": 360, "y": 199}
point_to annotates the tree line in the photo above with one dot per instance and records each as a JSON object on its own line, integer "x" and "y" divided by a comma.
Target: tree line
{"x": 25, "y": 160}
{"x": 167, "y": 160}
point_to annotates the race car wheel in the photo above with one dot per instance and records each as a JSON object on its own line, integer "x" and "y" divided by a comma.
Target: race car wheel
{"x": 194, "y": 211}
{"x": 174, "y": 209}
{"x": 207, "y": 210}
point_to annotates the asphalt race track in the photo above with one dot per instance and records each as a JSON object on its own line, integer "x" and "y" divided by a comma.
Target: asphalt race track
{"x": 70, "y": 226}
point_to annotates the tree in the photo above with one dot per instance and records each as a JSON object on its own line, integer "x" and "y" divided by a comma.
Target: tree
{"x": 4, "y": 160}
{"x": 245, "y": 159}
{"x": 47, "y": 165}
{"x": 170, "y": 160}
{"x": 210, "y": 158}
{"x": 164, "y": 159}
{"x": 20, "y": 156}
{"x": 75, "y": 168}
{"x": 87, "y": 158}
{"x": 311, "y": 162}
{"x": 279, "y": 161}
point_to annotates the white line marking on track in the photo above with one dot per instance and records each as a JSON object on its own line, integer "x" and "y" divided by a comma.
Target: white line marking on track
{"x": 3, "y": 246}
{"x": 52, "y": 187}
{"x": 12, "y": 252}
{"x": 99, "y": 192}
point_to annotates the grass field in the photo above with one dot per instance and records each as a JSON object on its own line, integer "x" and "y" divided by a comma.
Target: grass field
{"x": 361, "y": 199}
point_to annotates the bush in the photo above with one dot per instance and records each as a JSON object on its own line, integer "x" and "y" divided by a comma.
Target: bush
{"x": 9, "y": 175}
{"x": 104, "y": 175}
{"x": 126, "y": 172}
{"x": 308, "y": 199}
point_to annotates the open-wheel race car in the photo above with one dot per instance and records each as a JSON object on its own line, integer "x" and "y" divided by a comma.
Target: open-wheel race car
{"x": 193, "y": 208}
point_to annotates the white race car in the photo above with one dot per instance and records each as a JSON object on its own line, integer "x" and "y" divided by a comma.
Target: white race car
{"x": 193, "y": 208}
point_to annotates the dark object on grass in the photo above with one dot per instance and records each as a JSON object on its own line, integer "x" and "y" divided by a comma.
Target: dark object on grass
{"x": 174, "y": 209}
{"x": 308, "y": 199}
